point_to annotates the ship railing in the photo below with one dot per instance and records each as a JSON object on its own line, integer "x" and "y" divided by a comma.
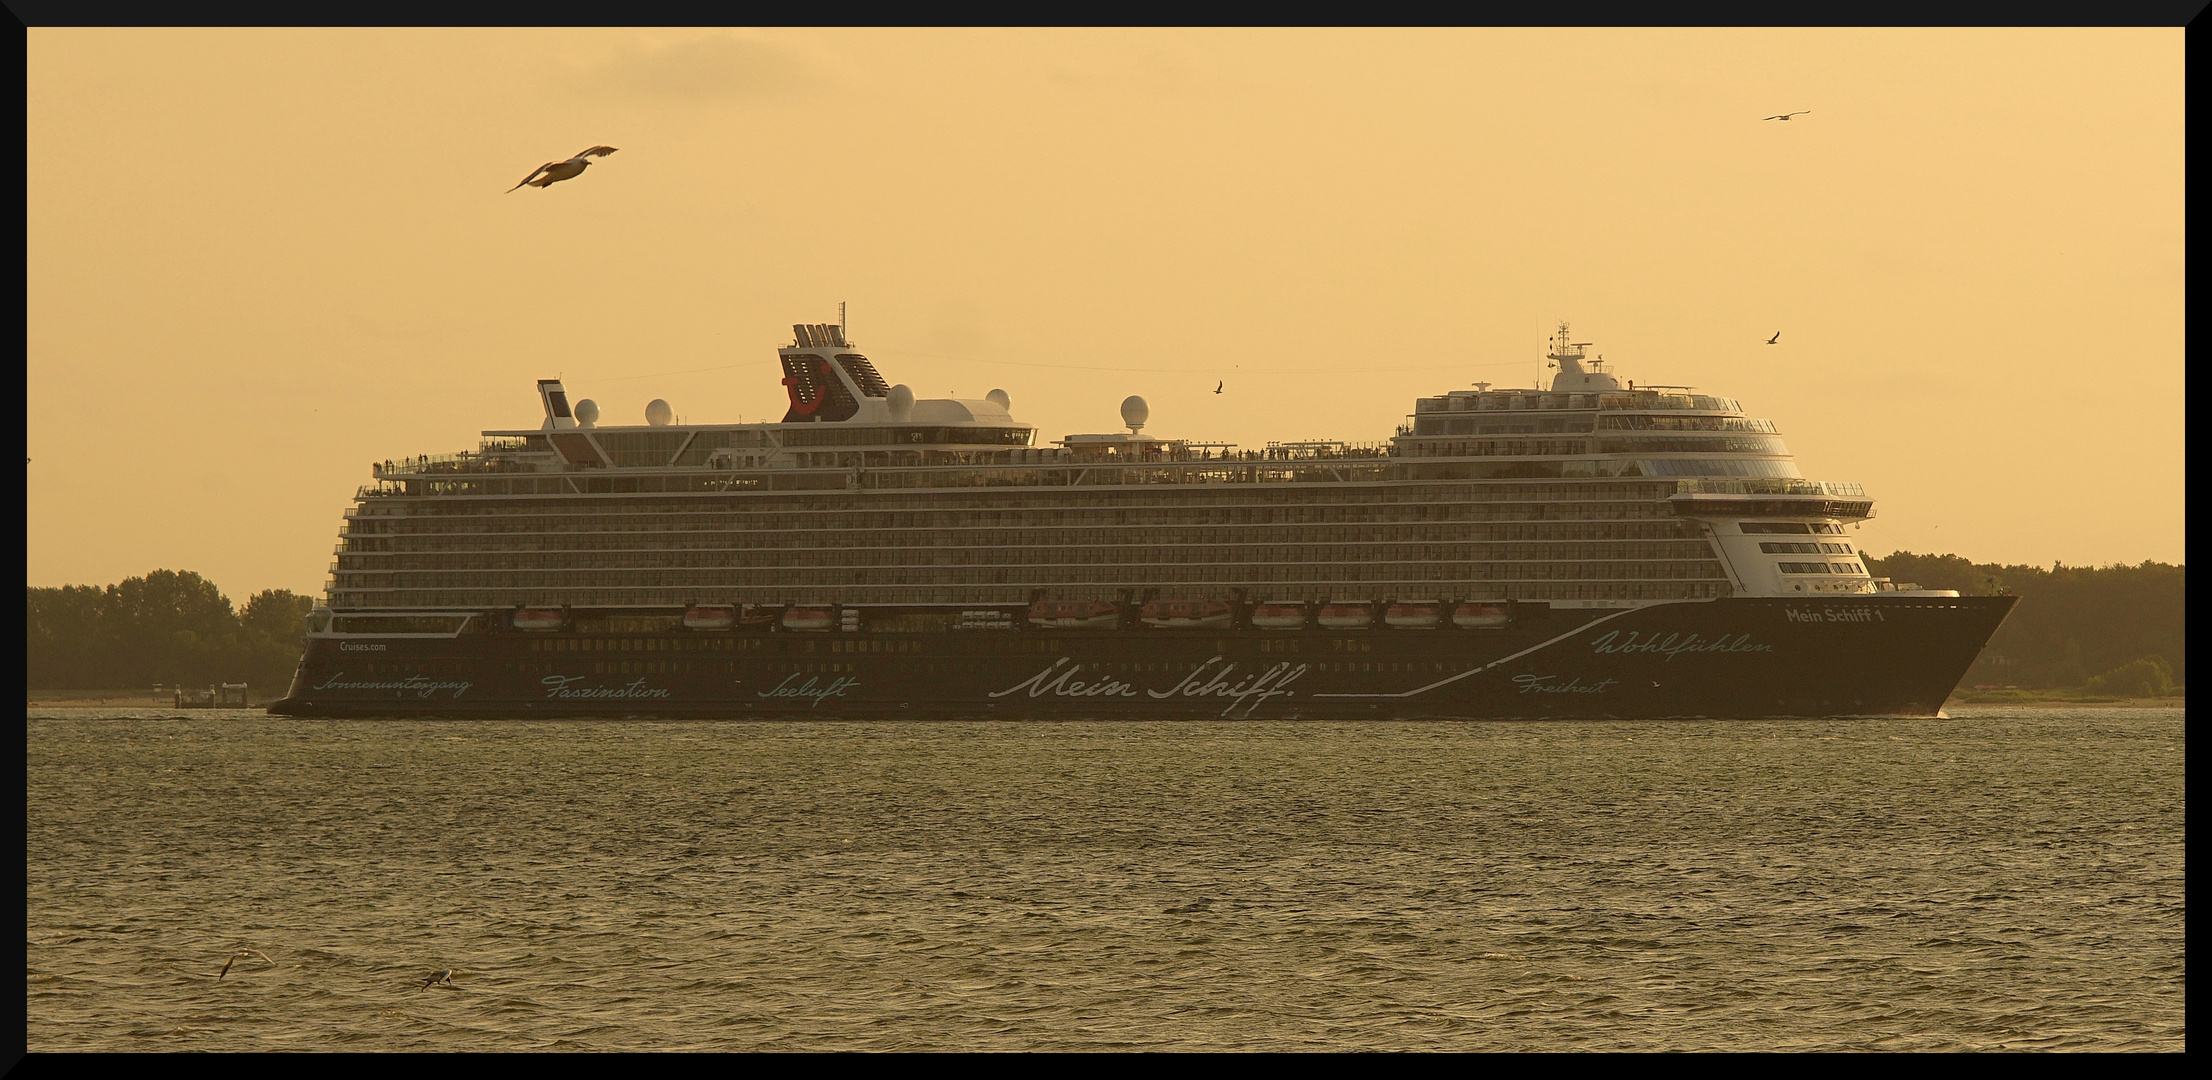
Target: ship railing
{"x": 1273, "y": 452}
{"x": 467, "y": 461}
{"x": 1654, "y": 399}
{"x": 1322, "y": 451}
{"x": 1767, "y": 486}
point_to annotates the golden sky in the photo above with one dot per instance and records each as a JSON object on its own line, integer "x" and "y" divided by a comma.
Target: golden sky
{"x": 259, "y": 260}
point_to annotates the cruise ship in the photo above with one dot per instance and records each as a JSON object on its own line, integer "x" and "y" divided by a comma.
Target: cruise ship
{"x": 1595, "y": 549}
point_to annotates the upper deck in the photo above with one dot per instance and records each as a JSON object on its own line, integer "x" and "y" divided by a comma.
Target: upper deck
{"x": 846, "y": 428}
{"x": 955, "y": 499}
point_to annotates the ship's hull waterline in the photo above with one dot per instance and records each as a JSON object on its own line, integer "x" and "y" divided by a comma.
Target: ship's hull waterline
{"x": 1736, "y": 657}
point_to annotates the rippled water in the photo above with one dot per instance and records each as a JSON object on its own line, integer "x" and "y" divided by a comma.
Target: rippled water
{"x": 2000, "y": 878}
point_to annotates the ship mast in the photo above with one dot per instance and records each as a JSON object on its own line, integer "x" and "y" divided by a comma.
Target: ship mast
{"x": 1567, "y": 355}
{"x": 1564, "y": 351}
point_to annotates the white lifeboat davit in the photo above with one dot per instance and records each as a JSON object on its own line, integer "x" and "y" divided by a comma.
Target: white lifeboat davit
{"x": 1414, "y": 615}
{"x": 810, "y": 618}
{"x": 1074, "y": 615}
{"x": 1476, "y": 616}
{"x": 540, "y": 618}
{"x": 1186, "y": 614}
{"x": 1347, "y": 615}
{"x": 710, "y": 617}
{"x": 1274, "y": 616}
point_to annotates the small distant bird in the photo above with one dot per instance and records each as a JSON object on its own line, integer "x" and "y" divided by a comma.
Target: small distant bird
{"x": 1786, "y": 116}
{"x": 443, "y": 978}
{"x": 553, "y": 172}
{"x": 1777, "y": 337}
{"x": 241, "y": 955}
{"x": 1219, "y": 385}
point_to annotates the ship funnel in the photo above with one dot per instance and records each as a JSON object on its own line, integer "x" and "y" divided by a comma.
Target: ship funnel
{"x": 819, "y": 336}
{"x": 555, "y": 398}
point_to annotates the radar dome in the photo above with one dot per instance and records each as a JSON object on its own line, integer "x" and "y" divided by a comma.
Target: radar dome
{"x": 658, "y": 414}
{"x": 587, "y": 413}
{"x": 1134, "y": 412}
{"x": 999, "y": 396}
{"x": 901, "y": 401}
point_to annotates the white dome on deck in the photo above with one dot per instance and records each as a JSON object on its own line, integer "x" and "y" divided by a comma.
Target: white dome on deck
{"x": 1134, "y": 412}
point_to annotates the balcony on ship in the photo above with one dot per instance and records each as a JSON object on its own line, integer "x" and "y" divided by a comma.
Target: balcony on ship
{"x": 1699, "y": 497}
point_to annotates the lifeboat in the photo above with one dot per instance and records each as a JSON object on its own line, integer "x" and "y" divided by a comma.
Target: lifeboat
{"x": 1279, "y": 617}
{"x": 809, "y": 618}
{"x": 710, "y": 617}
{"x": 756, "y": 617}
{"x": 1475, "y": 616}
{"x": 1347, "y": 615}
{"x": 1186, "y": 614}
{"x": 1074, "y": 615}
{"x": 540, "y": 618}
{"x": 1414, "y": 615}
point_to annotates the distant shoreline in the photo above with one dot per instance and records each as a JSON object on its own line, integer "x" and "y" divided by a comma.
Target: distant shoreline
{"x": 2065, "y": 702}
{"x": 2054, "y": 697}
{"x": 125, "y": 699}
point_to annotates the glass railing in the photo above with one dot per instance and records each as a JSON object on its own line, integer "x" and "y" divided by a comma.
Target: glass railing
{"x": 1638, "y": 399}
{"x": 1165, "y": 453}
{"x": 1768, "y": 486}
{"x": 466, "y": 461}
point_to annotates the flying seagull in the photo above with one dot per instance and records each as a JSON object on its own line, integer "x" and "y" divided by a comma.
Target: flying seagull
{"x": 443, "y": 978}
{"x": 1218, "y": 386}
{"x": 1777, "y": 337}
{"x": 1786, "y": 116}
{"x": 241, "y": 955}
{"x": 553, "y": 172}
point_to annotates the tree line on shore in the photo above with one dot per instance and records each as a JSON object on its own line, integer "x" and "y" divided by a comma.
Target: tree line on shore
{"x": 170, "y": 628}
{"x": 2110, "y": 629}
{"x": 2117, "y": 630}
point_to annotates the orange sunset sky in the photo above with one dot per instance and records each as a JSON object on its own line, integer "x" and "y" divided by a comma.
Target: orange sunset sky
{"x": 260, "y": 259}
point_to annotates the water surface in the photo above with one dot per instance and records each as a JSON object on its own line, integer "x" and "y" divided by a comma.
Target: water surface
{"x": 2001, "y": 878}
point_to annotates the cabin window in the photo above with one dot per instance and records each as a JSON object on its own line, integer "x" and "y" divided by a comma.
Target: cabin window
{"x": 1819, "y": 568}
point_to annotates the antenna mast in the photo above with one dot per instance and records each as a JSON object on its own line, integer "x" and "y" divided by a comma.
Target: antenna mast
{"x": 841, "y": 320}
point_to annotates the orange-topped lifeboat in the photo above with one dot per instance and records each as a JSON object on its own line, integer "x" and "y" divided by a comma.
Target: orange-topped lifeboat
{"x": 810, "y": 618}
{"x": 540, "y": 618}
{"x": 1186, "y": 614}
{"x": 710, "y": 617}
{"x": 1477, "y": 615}
{"x": 1346, "y": 615}
{"x": 1414, "y": 615}
{"x": 1276, "y": 615}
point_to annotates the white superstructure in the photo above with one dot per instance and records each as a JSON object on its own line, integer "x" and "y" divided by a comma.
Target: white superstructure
{"x": 1592, "y": 492}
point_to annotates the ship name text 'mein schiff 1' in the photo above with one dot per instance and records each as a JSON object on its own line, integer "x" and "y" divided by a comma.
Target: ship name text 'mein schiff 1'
{"x": 1595, "y": 549}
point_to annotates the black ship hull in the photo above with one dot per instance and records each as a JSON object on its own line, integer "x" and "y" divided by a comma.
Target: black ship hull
{"x": 1740, "y": 657}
